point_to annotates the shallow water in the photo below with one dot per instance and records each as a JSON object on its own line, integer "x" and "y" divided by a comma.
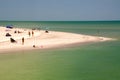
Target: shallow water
{"x": 95, "y": 61}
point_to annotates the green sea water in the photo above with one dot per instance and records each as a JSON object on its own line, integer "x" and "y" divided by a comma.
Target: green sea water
{"x": 94, "y": 61}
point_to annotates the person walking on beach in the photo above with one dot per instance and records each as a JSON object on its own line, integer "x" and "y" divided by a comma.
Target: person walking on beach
{"x": 23, "y": 41}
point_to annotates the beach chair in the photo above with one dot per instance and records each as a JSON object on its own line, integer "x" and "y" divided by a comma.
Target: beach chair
{"x": 12, "y": 40}
{"x": 8, "y": 35}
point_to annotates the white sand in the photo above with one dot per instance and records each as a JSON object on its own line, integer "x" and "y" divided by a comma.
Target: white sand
{"x": 42, "y": 40}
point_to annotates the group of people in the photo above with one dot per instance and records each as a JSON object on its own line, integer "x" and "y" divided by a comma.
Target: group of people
{"x": 29, "y": 33}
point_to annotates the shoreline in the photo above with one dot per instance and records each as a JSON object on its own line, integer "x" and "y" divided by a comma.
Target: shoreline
{"x": 43, "y": 40}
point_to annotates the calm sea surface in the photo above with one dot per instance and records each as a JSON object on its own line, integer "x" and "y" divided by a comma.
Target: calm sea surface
{"x": 96, "y": 61}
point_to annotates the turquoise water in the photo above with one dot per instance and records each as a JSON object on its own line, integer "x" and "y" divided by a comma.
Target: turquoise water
{"x": 95, "y": 61}
{"x": 85, "y": 27}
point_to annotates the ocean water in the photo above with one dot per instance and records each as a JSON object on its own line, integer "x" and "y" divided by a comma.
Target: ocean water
{"x": 95, "y": 61}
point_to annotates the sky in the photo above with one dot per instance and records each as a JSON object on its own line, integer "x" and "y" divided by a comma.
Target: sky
{"x": 59, "y": 10}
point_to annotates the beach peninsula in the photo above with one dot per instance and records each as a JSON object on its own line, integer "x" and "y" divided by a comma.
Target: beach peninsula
{"x": 12, "y": 39}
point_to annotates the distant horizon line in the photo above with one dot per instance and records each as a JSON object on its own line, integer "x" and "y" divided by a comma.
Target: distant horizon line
{"x": 60, "y": 20}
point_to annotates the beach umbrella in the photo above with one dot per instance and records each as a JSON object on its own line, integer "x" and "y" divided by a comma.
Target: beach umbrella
{"x": 9, "y": 26}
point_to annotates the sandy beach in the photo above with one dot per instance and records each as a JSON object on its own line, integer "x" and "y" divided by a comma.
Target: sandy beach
{"x": 41, "y": 40}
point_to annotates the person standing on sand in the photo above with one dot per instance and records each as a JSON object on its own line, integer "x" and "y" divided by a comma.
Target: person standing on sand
{"x": 22, "y": 40}
{"x": 29, "y": 33}
{"x": 32, "y": 33}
